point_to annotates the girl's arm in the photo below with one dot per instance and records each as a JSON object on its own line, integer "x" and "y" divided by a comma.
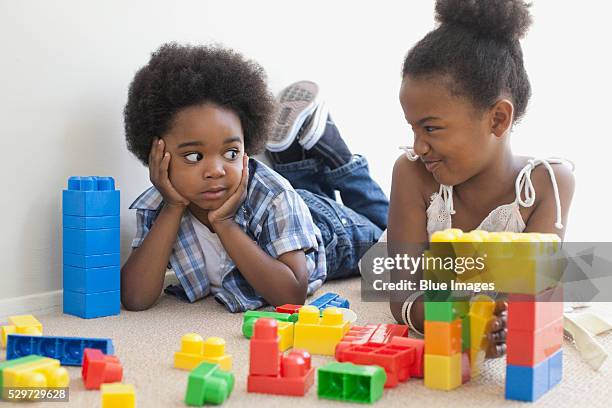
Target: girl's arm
{"x": 142, "y": 276}
{"x": 407, "y": 226}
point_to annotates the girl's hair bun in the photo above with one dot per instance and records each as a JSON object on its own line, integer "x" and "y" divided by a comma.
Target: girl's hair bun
{"x": 503, "y": 19}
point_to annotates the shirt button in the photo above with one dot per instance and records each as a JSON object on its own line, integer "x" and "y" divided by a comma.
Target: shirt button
{"x": 343, "y": 221}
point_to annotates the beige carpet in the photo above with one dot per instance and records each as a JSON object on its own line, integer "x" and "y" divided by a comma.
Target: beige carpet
{"x": 145, "y": 343}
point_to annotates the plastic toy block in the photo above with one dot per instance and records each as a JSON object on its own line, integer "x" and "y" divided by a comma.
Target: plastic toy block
{"x": 442, "y": 338}
{"x": 90, "y": 223}
{"x": 528, "y": 348}
{"x": 288, "y": 308}
{"x": 526, "y": 383}
{"x": 285, "y": 334}
{"x": 418, "y": 367}
{"x": 395, "y": 358}
{"x": 91, "y": 197}
{"x": 92, "y": 280}
{"x": 91, "y": 242}
{"x": 466, "y": 369}
{"x": 68, "y": 350}
{"x": 92, "y": 305}
{"x": 371, "y": 333}
{"x": 208, "y": 384}
{"x": 23, "y": 324}
{"x": 443, "y": 372}
{"x": 350, "y": 382}
{"x": 328, "y": 300}
{"x": 555, "y": 369}
{"x": 445, "y": 311}
{"x": 319, "y": 335}
{"x": 12, "y": 363}
{"x": 251, "y": 316}
{"x": 91, "y": 261}
{"x": 272, "y": 373}
{"x": 195, "y": 350}
{"x": 116, "y": 395}
{"x": 527, "y": 312}
{"x": 43, "y": 372}
{"x": 465, "y": 333}
{"x": 481, "y": 313}
{"x": 99, "y": 369}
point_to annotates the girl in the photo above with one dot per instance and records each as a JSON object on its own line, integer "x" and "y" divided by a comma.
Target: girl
{"x": 464, "y": 87}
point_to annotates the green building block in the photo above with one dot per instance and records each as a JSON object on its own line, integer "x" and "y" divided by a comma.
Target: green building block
{"x": 12, "y": 363}
{"x": 350, "y": 382}
{"x": 465, "y": 333}
{"x": 208, "y": 384}
{"x": 248, "y": 322}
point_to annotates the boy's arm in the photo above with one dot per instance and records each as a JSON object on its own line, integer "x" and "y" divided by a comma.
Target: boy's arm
{"x": 142, "y": 276}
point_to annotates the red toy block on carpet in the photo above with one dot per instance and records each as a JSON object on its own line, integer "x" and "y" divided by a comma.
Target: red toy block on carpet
{"x": 99, "y": 368}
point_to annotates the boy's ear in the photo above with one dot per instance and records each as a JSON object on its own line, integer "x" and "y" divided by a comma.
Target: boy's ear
{"x": 502, "y": 114}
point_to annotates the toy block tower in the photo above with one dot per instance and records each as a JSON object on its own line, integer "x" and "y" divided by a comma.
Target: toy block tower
{"x": 319, "y": 334}
{"x": 91, "y": 247}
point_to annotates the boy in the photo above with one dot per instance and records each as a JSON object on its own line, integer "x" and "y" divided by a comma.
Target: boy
{"x": 228, "y": 224}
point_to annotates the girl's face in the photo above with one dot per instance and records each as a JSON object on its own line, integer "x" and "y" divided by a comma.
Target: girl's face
{"x": 453, "y": 140}
{"x": 206, "y": 146}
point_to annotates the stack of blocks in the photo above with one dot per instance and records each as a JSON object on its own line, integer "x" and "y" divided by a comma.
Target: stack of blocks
{"x": 91, "y": 247}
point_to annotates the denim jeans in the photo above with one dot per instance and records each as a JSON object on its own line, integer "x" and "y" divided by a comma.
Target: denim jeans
{"x": 348, "y": 229}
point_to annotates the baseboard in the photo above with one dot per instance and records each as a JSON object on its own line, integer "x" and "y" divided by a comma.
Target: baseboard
{"x": 30, "y": 304}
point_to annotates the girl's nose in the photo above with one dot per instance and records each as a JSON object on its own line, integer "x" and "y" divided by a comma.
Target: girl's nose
{"x": 213, "y": 169}
{"x": 421, "y": 147}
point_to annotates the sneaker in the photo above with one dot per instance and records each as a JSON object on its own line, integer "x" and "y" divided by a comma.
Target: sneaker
{"x": 330, "y": 147}
{"x": 295, "y": 104}
{"x": 310, "y": 135}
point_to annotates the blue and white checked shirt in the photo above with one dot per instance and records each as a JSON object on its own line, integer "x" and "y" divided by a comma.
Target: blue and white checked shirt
{"x": 273, "y": 214}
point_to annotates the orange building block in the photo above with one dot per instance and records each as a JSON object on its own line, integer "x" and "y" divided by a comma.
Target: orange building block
{"x": 443, "y": 338}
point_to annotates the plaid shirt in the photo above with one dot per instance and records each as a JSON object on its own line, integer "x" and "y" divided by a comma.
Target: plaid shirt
{"x": 273, "y": 215}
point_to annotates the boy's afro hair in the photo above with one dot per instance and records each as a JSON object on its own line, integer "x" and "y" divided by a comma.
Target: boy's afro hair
{"x": 477, "y": 45}
{"x": 180, "y": 76}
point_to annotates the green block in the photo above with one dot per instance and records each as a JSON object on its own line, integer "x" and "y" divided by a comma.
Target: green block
{"x": 446, "y": 311}
{"x": 350, "y": 382}
{"x": 15, "y": 362}
{"x": 208, "y": 384}
{"x": 248, "y": 322}
{"x": 465, "y": 333}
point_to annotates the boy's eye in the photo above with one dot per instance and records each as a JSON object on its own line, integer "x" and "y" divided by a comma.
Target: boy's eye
{"x": 193, "y": 157}
{"x": 429, "y": 129}
{"x": 231, "y": 154}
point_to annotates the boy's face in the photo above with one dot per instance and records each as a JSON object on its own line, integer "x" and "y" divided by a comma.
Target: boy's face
{"x": 452, "y": 139}
{"x": 206, "y": 145}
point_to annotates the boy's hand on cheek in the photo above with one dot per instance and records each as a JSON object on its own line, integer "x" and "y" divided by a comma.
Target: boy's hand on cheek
{"x": 498, "y": 331}
{"x": 159, "y": 161}
{"x": 228, "y": 208}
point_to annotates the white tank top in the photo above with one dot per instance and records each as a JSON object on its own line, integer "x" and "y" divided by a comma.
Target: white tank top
{"x": 506, "y": 217}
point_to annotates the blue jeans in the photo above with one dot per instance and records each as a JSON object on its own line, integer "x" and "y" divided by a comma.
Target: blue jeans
{"x": 348, "y": 230}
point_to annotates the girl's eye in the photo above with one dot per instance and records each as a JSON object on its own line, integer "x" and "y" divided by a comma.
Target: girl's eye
{"x": 193, "y": 157}
{"x": 231, "y": 154}
{"x": 429, "y": 129}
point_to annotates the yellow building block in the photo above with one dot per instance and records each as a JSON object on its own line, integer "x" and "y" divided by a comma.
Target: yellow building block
{"x": 116, "y": 395}
{"x": 194, "y": 351}
{"x": 319, "y": 334}
{"x": 285, "y": 333}
{"x": 442, "y": 372}
{"x": 22, "y": 324}
{"x": 481, "y": 313}
{"x": 42, "y": 373}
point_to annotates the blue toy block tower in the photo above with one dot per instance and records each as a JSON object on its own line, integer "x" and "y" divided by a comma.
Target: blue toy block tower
{"x": 90, "y": 208}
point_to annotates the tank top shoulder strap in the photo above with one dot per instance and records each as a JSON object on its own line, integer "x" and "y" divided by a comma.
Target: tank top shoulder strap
{"x": 524, "y": 186}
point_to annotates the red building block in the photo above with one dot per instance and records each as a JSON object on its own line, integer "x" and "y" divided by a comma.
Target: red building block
{"x": 272, "y": 373}
{"x": 288, "y": 308}
{"x": 99, "y": 368}
{"x": 395, "y": 357}
{"x": 528, "y": 312}
{"x": 418, "y": 368}
{"x": 371, "y": 333}
{"x": 529, "y": 348}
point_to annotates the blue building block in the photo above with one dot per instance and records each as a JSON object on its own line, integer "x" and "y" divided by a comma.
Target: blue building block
{"x": 91, "y": 261}
{"x": 68, "y": 350}
{"x": 91, "y": 197}
{"x": 328, "y": 300}
{"x": 92, "y": 305}
{"x": 89, "y": 223}
{"x": 555, "y": 369}
{"x": 91, "y": 242}
{"x": 526, "y": 383}
{"x": 92, "y": 280}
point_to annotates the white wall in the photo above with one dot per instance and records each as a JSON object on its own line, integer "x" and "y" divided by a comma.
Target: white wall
{"x": 66, "y": 65}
